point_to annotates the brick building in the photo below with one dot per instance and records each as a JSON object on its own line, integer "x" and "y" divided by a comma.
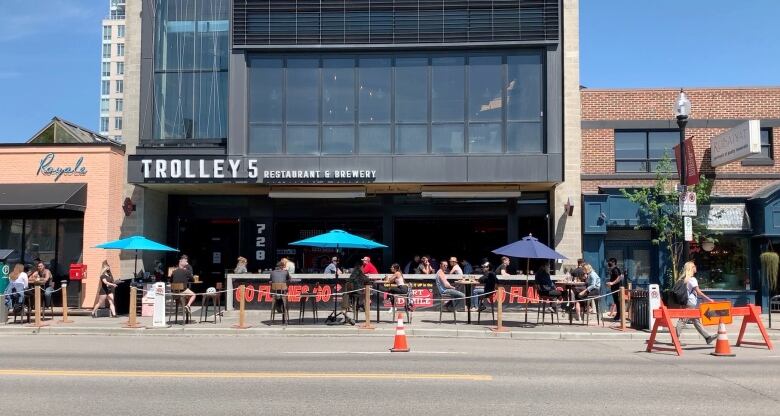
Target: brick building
{"x": 625, "y": 132}
{"x": 60, "y": 195}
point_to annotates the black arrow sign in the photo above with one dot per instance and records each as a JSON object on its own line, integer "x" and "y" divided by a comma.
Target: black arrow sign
{"x": 709, "y": 313}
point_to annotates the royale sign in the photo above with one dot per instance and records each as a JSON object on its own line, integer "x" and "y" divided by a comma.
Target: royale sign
{"x": 740, "y": 142}
{"x": 45, "y": 168}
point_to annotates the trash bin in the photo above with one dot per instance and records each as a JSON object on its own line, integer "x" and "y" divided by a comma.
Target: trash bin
{"x": 639, "y": 309}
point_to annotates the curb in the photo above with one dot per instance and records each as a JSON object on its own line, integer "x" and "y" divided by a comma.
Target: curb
{"x": 264, "y": 331}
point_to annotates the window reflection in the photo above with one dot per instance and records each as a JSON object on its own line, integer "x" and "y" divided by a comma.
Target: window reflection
{"x": 407, "y": 104}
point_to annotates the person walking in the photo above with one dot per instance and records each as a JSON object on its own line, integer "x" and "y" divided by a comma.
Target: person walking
{"x": 694, "y": 293}
{"x": 107, "y": 288}
{"x": 614, "y": 284}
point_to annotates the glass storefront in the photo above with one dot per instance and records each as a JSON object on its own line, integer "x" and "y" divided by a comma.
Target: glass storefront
{"x": 726, "y": 266}
{"x": 397, "y": 103}
{"x": 56, "y": 241}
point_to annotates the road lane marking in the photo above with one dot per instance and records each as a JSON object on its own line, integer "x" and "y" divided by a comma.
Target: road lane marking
{"x": 243, "y": 375}
{"x": 370, "y": 352}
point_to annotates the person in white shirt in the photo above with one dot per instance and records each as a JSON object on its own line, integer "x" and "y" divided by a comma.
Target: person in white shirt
{"x": 454, "y": 266}
{"x": 694, "y": 293}
{"x": 19, "y": 276}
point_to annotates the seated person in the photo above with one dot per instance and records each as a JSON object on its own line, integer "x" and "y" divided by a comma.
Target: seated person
{"x": 183, "y": 274}
{"x": 488, "y": 279}
{"x": 356, "y": 280}
{"x": 445, "y": 288}
{"x": 593, "y": 282}
{"x": 279, "y": 275}
{"x": 397, "y": 279}
{"x": 545, "y": 285}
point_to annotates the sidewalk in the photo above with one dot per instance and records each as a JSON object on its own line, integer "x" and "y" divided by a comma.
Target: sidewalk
{"x": 424, "y": 324}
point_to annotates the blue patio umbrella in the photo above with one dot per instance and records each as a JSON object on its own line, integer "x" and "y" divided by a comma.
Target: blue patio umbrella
{"x": 136, "y": 243}
{"x": 337, "y": 239}
{"x": 529, "y": 248}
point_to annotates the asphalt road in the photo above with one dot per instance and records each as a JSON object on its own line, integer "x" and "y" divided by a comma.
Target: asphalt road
{"x": 85, "y": 375}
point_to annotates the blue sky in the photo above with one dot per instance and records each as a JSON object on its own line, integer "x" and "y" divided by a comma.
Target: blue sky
{"x": 50, "y": 52}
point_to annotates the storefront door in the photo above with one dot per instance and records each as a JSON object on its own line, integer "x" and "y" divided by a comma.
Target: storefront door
{"x": 633, "y": 258}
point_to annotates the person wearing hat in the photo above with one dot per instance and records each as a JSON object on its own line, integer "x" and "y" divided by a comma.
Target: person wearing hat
{"x": 489, "y": 280}
{"x": 368, "y": 267}
{"x": 454, "y": 266}
{"x": 333, "y": 267}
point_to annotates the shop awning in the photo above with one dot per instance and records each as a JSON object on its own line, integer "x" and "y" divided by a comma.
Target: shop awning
{"x": 29, "y": 196}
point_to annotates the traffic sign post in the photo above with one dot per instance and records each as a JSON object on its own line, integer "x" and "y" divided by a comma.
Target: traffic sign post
{"x": 714, "y": 313}
{"x": 688, "y": 204}
{"x": 688, "y": 228}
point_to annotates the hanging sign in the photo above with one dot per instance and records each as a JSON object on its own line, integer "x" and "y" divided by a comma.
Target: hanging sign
{"x": 691, "y": 167}
{"x": 738, "y": 143}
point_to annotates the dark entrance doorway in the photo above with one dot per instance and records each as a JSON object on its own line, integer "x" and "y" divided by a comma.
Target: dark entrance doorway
{"x": 465, "y": 238}
{"x": 314, "y": 260}
{"x": 212, "y": 246}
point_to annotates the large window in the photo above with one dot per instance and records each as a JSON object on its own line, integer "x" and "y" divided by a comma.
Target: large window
{"x": 191, "y": 64}
{"x": 642, "y": 150}
{"x": 105, "y": 69}
{"x": 120, "y": 68}
{"x": 106, "y": 50}
{"x": 106, "y": 32}
{"x": 766, "y": 145}
{"x": 105, "y": 87}
{"x": 104, "y": 105}
{"x": 120, "y": 49}
{"x": 120, "y": 31}
{"x": 58, "y": 242}
{"x": 103, "y": 124}
{"x": 440, "y": 103}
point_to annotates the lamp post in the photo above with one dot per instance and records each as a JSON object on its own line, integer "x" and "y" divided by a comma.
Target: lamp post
{"x": 682, "y": 109}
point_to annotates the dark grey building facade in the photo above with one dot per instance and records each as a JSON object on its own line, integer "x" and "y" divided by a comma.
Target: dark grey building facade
{"x": 393, "y": 119}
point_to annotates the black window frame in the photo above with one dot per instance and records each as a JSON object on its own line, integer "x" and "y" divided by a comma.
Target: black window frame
{"x": 647, "y": 160}
{"x": 760, "y": 159}
{"x": 393, "y": 122}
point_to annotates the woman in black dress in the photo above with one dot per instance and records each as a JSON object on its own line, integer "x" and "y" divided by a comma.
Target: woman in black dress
{"x": 107, "y": 287}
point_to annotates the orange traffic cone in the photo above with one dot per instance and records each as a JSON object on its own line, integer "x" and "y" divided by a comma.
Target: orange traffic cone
{"x": 400, "y": 344}
{"x": 722, "y": 348}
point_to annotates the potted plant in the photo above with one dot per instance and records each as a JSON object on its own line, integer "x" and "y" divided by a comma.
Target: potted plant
{"x": 769, "y": 269}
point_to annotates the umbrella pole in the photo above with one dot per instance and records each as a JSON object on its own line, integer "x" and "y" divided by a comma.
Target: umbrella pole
{"x": 527, "y": 276}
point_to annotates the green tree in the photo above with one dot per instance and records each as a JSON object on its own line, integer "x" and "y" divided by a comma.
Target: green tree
{"x": 659, "y": 207}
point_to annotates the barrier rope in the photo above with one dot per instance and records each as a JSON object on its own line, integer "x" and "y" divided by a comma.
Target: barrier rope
{"x": 514, "y": 296}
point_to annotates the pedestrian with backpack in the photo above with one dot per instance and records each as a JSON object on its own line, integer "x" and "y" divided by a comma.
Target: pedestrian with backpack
{"x": 691, "y": 301}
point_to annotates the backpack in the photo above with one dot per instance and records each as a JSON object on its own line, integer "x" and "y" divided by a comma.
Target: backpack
{"x": 680, "y": 292}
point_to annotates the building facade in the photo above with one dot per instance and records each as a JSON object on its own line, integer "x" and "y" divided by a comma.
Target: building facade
{"x": 61, "y": 199}
{"x": 625, "y": 133}
{"x": 436, "y": 127}
{"x": 112, "y": 71}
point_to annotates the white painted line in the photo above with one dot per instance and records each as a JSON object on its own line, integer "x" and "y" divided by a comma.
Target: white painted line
{"x": 368, "y": 352}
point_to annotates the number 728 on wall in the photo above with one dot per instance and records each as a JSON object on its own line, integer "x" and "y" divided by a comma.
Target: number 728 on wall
{"x": 260, "y": 243}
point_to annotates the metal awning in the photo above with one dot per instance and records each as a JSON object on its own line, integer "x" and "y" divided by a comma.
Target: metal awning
{"x": 31, "y": 196}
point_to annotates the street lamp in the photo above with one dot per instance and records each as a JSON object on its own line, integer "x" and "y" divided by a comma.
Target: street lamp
{"x": 682, "y": 109}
